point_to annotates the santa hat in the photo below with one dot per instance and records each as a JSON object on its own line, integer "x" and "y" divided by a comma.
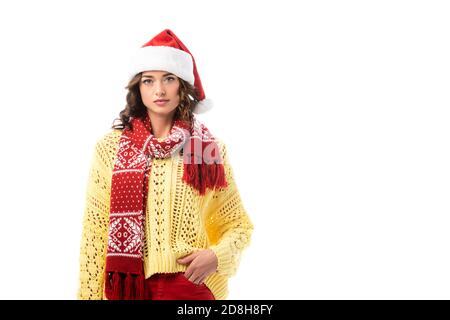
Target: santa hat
{"x": 166, "y": 52}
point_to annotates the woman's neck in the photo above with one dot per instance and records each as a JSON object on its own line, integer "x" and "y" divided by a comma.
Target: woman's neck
{"x": 161, "y": 125}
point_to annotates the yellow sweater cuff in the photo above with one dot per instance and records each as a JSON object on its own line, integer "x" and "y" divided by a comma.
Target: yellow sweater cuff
{"x": 224, "y": 258}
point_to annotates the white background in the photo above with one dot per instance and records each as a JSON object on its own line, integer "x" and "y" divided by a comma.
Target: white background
{"x": 335, "y": 113}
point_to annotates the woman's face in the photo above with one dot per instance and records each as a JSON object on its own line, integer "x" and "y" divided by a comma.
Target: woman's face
{"x": 160, "y": 85}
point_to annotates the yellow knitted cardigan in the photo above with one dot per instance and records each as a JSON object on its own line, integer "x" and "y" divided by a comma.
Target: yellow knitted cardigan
{"x": 178, "y": 221}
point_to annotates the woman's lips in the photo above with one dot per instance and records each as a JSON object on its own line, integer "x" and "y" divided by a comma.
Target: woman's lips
{"x": 161, "y": 102}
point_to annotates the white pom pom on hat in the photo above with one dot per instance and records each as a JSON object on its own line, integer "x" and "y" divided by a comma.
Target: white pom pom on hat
{"x": 166, "y": 52}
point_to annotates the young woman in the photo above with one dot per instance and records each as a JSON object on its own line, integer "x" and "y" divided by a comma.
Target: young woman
{"x": 163, "y": 216}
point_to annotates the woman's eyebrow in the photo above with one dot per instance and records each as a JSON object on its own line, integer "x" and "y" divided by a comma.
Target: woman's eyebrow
{"x": 149, "y": 76}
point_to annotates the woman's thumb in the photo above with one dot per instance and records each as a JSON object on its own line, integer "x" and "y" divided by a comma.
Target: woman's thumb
{"x": 187, "y": 258}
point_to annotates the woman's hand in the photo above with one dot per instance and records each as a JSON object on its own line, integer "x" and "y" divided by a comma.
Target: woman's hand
{"x": 201, "y": 264}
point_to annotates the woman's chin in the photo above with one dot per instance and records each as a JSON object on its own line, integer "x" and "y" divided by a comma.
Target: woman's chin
{"x": 163, "y": 111}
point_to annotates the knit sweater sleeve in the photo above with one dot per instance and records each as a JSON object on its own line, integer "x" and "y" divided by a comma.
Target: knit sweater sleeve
{"x": 228, "y": 225}
{"x": 95, "y": 225}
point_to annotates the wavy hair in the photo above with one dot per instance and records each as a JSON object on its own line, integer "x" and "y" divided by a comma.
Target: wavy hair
{"x": 135, "y": 107}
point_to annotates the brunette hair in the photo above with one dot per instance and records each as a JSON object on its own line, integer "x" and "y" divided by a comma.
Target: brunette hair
{"x": 135, "y": 107}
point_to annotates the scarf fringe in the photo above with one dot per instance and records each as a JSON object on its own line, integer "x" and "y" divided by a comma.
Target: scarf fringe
{"x": 220, "y": 180}
{"x": 128, "y": 290}
{"x": 125, "y": 287}
{"x": 116, "y": 286}
{"x": 205, "y": 176}
{"x": 140, "y": 287}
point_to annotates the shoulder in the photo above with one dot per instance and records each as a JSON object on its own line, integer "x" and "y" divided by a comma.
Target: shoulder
{"x": 221, "y": 146}
{"x": 109, "y": 140}
{"x": 106, "y": 147}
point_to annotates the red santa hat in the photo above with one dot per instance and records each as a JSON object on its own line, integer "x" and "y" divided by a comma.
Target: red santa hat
{"x": 166, "y": 52}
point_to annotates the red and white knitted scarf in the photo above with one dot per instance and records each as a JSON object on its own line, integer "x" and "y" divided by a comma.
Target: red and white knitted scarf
{"x": 203, "y": 169}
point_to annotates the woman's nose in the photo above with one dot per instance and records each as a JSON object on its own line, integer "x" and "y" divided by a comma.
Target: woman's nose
{"x": 159, "y": 89}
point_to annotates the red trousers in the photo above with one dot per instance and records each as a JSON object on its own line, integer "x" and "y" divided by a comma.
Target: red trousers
{"x": 175, "y": 286}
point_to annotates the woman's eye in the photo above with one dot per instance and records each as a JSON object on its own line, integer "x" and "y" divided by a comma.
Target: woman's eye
{"x": 168, "y": 78}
